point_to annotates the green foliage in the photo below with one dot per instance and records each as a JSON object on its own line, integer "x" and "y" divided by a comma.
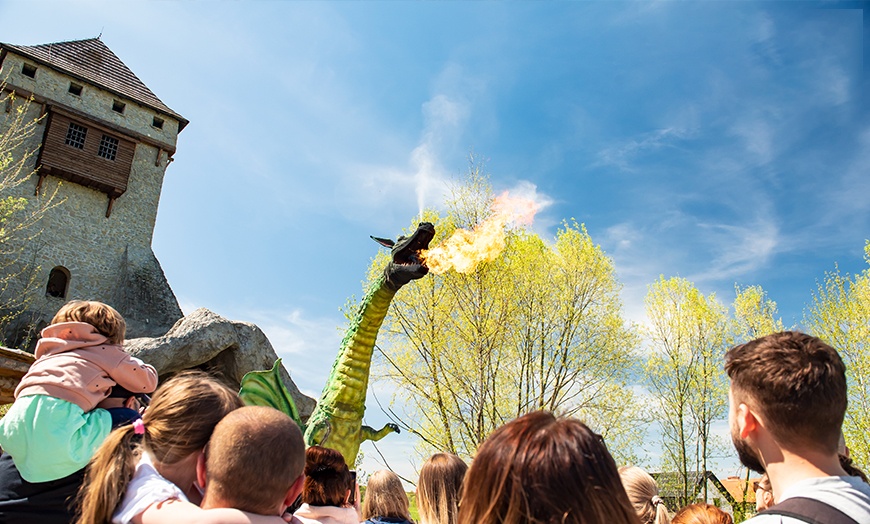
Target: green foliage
{"x": 689, "y": 334}
{"x": 840, "y": 315}
{"x": 540, "y": 327}
{"x": 19, "y": 215}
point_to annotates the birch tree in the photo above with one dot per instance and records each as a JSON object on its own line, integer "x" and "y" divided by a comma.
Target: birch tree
{"x": 19, "y": 215}
{"x": 840, "y": 315}
{"x": 688, "y": 333}
{"x": 540, "y": 327}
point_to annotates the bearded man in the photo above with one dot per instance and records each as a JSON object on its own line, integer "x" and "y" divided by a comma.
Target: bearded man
{"x": 787, "y": 403}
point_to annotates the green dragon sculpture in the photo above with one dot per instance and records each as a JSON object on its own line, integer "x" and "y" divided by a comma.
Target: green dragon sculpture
{"x": 336, "y": 421}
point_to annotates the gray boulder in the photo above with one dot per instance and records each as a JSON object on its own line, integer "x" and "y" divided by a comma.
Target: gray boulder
{"x": 205, "y": 340}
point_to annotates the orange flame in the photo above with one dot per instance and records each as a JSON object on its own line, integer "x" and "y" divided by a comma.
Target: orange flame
{"x": 464, "y": 250}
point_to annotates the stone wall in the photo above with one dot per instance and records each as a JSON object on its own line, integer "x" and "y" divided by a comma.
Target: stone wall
{"x": 109, "y": 259}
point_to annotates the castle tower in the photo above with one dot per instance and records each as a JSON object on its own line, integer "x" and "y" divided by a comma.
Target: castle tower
{"x": 107, "y": 140}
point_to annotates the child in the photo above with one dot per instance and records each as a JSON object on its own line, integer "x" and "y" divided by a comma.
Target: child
{"x": 52, "y": 429}
{"x": 264, "y": 474}
{"x": 146, "y": 473}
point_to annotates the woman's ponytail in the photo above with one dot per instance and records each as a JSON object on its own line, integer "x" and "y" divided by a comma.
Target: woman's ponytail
{"x": 107, "y": 477}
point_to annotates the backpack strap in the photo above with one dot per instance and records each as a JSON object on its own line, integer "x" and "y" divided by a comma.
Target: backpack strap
{"x": 809, "y": 510}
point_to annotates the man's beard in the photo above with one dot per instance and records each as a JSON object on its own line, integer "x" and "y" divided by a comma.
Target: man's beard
{"x": 748, "y": 457}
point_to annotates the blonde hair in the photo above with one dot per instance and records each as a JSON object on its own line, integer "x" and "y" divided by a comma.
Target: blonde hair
{"x": 643, "y": 492}
{"x": 701, "y": 514}
{"x": 103, "y": 317}
{"x": 179, "y": 422}
{"x": 385, "y": 497}
{"x": 438, "y": 488}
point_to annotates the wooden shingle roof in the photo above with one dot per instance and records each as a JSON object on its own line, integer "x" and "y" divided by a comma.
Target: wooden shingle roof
{"x": 92, "y": 61}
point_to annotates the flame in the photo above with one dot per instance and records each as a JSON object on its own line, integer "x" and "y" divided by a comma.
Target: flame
{"x": 464, "y": 250}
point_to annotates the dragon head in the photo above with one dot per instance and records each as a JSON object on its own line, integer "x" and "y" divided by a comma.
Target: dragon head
{"x": 406, "y": 264}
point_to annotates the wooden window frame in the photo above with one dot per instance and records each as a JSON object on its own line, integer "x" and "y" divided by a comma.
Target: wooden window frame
{"x": 108, "y": 148}
{"x": 76, "y": 137}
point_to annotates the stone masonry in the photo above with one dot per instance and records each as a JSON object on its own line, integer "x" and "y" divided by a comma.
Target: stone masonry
{"x": 108, "y": 259}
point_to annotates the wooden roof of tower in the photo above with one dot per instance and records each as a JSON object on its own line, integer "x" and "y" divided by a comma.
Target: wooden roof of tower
{"x": 92, "y": 61}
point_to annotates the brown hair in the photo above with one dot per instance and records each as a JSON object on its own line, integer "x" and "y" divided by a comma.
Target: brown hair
{"x": 796, "y": 382}
{"x": 385, "y": 497}
{"x": 439, "y": 487}
{"x": 643, "y": 493}
{"x": 179, "y": 422}
{"x": 539, "y": 469}
{"x": 256, "y": 475}
{"x": 103, "y": 317}
{"x": 327, "y": 478}
{"x": 701, "y": 514}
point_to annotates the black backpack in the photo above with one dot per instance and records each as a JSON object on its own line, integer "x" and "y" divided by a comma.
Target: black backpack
{"x": 810, "y": 510}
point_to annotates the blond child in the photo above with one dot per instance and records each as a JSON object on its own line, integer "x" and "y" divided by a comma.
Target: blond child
{"x": 53, "y": 429}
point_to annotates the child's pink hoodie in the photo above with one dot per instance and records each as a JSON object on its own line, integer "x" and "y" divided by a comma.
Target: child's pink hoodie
{"x": 74, "y": 363}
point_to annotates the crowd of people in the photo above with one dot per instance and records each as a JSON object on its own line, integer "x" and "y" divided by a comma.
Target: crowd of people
{"x": 84, "y": 443}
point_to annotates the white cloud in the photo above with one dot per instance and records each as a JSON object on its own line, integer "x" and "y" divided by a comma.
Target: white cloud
{"x": 742, "y": 249}
{"x": 834, "y": 84}
{"x": 758, "y": 138}
{"x": 307, "y": 344}
{"x": 622, "y": 155}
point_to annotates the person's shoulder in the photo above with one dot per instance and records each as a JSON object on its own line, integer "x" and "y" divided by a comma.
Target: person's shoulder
{"x": 773, "y": 519}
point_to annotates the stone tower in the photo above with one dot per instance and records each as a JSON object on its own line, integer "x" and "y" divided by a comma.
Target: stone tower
{"x": 107, "y": 140}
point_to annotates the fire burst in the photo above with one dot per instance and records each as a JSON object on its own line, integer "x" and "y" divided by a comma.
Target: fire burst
{"x": 464, "y": 250}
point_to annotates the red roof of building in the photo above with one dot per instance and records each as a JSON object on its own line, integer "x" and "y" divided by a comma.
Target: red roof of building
{"x": 736, "y": 486}
{"x": 92, "y": 61}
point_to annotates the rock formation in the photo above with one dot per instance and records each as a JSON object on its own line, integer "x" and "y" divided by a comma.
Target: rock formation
{"x": 205, "y": 340}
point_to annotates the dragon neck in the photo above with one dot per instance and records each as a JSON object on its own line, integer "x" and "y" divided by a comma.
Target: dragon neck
{"x": 348, "y": 381}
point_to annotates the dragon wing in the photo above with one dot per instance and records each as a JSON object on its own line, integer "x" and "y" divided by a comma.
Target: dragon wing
{"x": 265, "y": 388}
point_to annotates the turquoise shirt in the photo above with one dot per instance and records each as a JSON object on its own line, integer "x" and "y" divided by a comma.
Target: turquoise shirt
{"x": 49, "y": 438}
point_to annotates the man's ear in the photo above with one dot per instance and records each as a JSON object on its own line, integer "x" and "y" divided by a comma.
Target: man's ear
{"x": 201, "y": 476}
{"x": 747, "y": 422}
{"x": 294, "y": 491}
{"x": 132, "y": 403}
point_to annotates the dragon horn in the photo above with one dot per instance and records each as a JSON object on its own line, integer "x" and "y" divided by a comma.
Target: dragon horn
{"x": 386, "y": 242}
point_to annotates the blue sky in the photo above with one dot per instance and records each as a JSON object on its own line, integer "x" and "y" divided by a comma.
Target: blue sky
{"x": 724, "y": 142}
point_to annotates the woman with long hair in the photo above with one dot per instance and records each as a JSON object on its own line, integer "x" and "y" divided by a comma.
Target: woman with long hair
{"x": 539, "y": 469}
{"x": 643, "y": 492}
{"x": 439, "y": 487}
{"x": 386, "y": 501}
{"x": 326, "y": 494}
{"x": 146, "y": 472}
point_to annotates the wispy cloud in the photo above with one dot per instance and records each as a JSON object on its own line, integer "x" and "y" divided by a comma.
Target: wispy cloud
{"x": 741, "y": 249}
{"x": 758, "y": 139}
{"x": 622, "y": 155}
{"x": 444, "y": 117}
{"x": 306, "y": 343}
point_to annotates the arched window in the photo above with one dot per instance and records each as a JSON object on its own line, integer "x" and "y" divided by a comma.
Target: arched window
{"x": 58, "y": 282}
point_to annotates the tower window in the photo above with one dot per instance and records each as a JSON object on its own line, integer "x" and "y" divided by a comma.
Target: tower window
{"x": 108, "y": 147}
{"x": 28, "y": 70}
{"x": 75, "y": 89}
{"x": 58, "y": 282}
{"x": 75, "y": 135}
{"x": 118, "y": 106}
{"x": 158, "y": 122}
